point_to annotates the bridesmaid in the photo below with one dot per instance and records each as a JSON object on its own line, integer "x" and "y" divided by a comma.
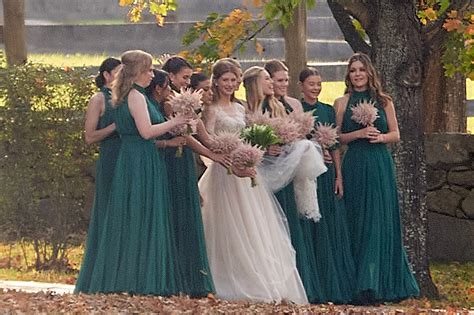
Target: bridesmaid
{"x": 100, "y": 128}
{"x": 336, "y": 268}
{"x": 257, "y": 81}
{"x": 382, "y": 269}
{"x": 279, "y": 73}
{"x": 187, "y": 222}
{"x": 136, "y": 253}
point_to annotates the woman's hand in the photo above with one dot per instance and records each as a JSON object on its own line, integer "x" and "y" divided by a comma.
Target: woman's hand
{"x": 222, "y": 159}
{"x": 179, "y": 120}
{"x": 175, "y": 142}
{"x": 380, "y": 138}
{"x": 244, "y": 172}
{"x": 339, "y": 187}
{"x": 327, "y": 156}
{"x": 369, "y": 132}
{"x": 274, "y": 150}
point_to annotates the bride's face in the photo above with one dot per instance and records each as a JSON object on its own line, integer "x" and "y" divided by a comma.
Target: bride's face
{"x": 226, "y": 84}
{"x": 266, "y": 83}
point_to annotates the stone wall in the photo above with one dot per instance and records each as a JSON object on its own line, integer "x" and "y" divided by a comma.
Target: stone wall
{"x": 450, "y": 196}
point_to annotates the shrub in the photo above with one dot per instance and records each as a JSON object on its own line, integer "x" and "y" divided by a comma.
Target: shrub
{"x": 44, "y": 160}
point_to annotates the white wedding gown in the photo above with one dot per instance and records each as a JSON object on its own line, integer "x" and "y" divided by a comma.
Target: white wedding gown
{"x": 248, "y": 245}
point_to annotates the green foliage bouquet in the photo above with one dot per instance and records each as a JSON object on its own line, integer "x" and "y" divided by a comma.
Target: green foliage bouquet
{"x": 262, "y": 136}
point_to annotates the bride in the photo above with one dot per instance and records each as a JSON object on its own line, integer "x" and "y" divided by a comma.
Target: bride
{"x": 249, "y": 249}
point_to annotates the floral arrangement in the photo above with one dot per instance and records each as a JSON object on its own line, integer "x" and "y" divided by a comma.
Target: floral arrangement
{"x": 262, "y": 136}
{"x": 304, "y": 120}
{"x": 286, "y": 129}
{"x": 247, "y": 156}
{"x": 225, "y": 143}
{"x": 258, "y": 118}
{"x": 186, "y": 103}
{"x": 365, "y": 113}
{"x": 326, "y": 135}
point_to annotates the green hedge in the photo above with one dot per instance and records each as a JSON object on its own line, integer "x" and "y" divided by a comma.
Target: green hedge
{"x": 45, "y": 163}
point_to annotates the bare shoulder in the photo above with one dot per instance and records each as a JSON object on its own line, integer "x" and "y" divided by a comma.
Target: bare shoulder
{"x": 341, "y": 102}
{"x": 97, "y": 99}
{"x": 135, "y": 96}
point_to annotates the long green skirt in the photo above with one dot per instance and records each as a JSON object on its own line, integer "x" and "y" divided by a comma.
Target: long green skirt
{"x": 382, "y": 270}
{"x": 187, "y": 223}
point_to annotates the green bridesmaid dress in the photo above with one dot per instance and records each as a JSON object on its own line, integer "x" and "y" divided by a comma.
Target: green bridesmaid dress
{"x": 335, "y": 265}
{"x": 371, "y": 200}
{"x": 301, "y": 236}
{"x": 108, "y": 152}
{"x": 137, "y": 247}
{"x": 188, "y": 229}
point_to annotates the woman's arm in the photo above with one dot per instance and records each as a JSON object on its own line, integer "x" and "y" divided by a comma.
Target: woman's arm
{"x": 209, "y": 119}
{"x": 139, "y": 111}
{"x": 338, "y": 184}
{"x": 95, "y": 109}
{"x": 197, "y": 147}
{"x": 203, "y": 135}
{"x": 393, "y": 134}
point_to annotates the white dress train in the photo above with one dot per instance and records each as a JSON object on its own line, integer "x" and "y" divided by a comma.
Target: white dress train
{"x": 248, "y": 245}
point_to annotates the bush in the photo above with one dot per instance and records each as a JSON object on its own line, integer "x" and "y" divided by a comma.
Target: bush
{"x": 44, "y": 160}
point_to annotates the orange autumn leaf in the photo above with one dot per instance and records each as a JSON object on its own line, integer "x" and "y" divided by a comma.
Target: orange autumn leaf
{"x": 124, "y": 3}
{"x": 469, "y": 29}
{"x": 259, "y": 48}
{"x": 452, "y": 24}
{"x": 160, "y": 20}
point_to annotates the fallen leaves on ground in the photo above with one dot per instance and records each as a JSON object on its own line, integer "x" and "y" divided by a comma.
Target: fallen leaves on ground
{"x": 13, "y": 301}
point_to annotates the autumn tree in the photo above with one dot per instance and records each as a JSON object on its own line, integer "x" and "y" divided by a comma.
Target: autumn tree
{"x": 446, "y": 34}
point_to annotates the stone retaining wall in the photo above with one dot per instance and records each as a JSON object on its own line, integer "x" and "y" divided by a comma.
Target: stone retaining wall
{"x": 450, "y": 196}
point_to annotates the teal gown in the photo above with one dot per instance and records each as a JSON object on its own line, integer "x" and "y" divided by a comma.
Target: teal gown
{"x": 105, "y": 166}
{"x": 382, "y": 270}
{"x": 335, "y": 265}
{"x": 188, "y": 229}
{"x": 301, "y": 236}
{"x": 137, "y": 247}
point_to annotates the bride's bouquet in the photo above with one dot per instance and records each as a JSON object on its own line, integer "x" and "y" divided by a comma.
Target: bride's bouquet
{"x": 262, "y": 136}
{"x": 225, "y": 143}
{"x": 247, "y": 156}
{"x": 365, "y": 113}
{"x": 326, "y": 135}
{"x": 186, "y": 103}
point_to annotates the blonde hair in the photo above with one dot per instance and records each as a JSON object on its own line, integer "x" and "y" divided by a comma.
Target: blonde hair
{"x": 220, "y": 68}
{"x": 256, "y": 97}
{"x": 134, "y": 62}
{"x": 374, "y": 84}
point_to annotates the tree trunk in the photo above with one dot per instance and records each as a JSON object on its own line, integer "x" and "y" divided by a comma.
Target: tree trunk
{"x": 395, "y": 36}
{"x": 14, "y": 31}
{"x": 444, "y": 103}
{"x": 295, "y": 47}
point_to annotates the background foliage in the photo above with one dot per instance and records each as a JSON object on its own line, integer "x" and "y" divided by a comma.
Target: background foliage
{"x": 44, "y": 161}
